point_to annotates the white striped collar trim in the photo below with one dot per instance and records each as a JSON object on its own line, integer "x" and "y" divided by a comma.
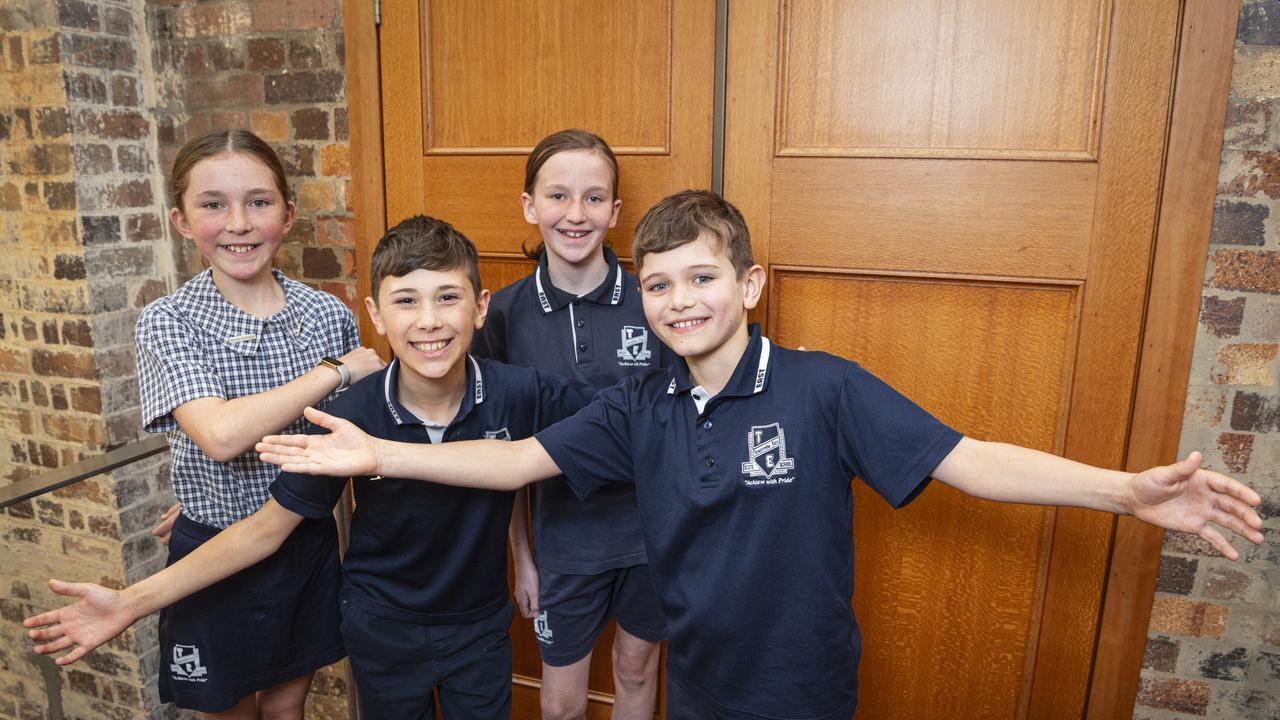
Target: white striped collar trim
{"x": 542, "y": 292}
{"x": 762, "y": 370}
{"x": 477, "y": 394}
{"x": 479, "y": 384}
{"x": 617, "y": 287}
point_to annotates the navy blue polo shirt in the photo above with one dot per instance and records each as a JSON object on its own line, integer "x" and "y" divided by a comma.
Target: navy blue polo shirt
{"x": 422, "y": 552}
{"x": 747, "y": 512}
{"x": 598, "y": 338}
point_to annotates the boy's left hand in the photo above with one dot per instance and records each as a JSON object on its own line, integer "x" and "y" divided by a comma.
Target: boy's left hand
{"x": 1186, "y": 497}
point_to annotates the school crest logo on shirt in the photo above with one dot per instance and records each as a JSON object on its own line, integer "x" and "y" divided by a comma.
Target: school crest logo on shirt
{"x": 635, "y": 345}
{"x": 767, "y": 450}
{"x": 186, "y": 664}
{"x": 542, "y": 629}
{"x": 503, "y": 434}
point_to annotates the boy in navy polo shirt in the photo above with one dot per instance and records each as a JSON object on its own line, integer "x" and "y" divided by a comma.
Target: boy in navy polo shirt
{"x": 424, "y": 593}
{"x": 741, "y": 456}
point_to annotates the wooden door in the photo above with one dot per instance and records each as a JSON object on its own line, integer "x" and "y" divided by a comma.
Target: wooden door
{"x": 468, "y": 88}
{"x": 961, "y": 196}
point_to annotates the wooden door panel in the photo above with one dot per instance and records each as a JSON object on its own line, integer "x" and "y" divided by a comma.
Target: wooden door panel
{"x": 903, "y": 138}
{"x": 469, "y": 88}
{"x": 1017, "y": 219}
{"x": 503, "y": 71}
{"x": 941, "y": 79}
{"x": 988, "y": 358}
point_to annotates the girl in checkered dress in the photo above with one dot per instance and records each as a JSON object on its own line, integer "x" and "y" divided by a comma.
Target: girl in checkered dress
{"x": 234, "y": 354}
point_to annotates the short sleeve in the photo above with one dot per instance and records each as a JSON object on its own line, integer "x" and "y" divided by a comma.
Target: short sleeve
{"x": 593, "y": 447}
{"x": 173, "y": 367}
{"x": 350, "y": 330}
{"x": 888, "y": 441}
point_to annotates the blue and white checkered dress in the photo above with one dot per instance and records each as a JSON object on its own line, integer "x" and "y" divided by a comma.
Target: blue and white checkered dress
{"x": 194, "y": 344}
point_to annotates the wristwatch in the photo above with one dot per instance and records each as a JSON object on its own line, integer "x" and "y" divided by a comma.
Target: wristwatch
{"x": 343, "y": 372}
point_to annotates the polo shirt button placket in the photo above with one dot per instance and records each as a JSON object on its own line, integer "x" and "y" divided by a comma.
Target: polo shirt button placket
{"x": 710, "y": 461}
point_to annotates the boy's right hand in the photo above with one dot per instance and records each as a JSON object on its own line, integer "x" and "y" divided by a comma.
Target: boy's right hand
{"x": 98, "y": 616}
{"x": 362, "y": 362}
{"x": 526, "y": 589}
{"x": 346, "y": 451}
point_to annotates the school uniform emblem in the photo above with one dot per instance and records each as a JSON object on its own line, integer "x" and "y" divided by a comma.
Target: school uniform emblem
{"x": 186, "y": 664}
{"x": 767, "y": 450}
{"x": 635, "y": 344}
{"x": 503, "y": 434}
{"x": 542, "y": 630}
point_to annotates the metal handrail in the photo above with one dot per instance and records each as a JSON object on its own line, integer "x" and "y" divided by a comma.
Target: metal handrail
{"x": 61, "y": 477}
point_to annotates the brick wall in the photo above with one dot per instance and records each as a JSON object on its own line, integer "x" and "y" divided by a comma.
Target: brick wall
{"x": 95, "y": 98}
{"x": 1214, "y": 644}
{"x": 80, "y": 228}
{"x": 275, "y": 67}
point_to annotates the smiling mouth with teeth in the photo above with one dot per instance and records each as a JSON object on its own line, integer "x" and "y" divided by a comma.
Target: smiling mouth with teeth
{"x": 429, "y": 346}
{"x": 239, "y": 249}
{"x": 574, "y": 234}
{"x": 685, "y": 324}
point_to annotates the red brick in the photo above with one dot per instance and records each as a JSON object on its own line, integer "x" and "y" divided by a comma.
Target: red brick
{"x": 63, "y": 364}
{"x": 306, "y": 86}
{"x": 225, "y": 90}
{"x": 1236, "y": 450}
{"x": 335, "y": 160}
{"x": 86, "y": 399}
{"x": 311, "y": 124}
{"x": 265, "y": 54}
{"x": 1176, "y": 616}
{"x": 270, "y": 126}
{"x": 269, "y": 15}
{"x": 1249, "y": 270}
{"x": 1222, "y": 317}
{"x": 112, "y": 124}
{"x": 1187, "y": 696}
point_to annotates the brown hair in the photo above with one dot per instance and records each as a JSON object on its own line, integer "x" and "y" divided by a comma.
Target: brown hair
{"x": 679, "y": 219}
{"x": 424, "y": 243}
{"x": 554, "y": 144}
{"x": 215, "y": 143}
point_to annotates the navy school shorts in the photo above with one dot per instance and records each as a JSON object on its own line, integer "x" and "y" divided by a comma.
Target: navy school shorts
{"x": 576, "y": 608}
{"x": 397, "y": 665}
{"x": 265, "y": 625}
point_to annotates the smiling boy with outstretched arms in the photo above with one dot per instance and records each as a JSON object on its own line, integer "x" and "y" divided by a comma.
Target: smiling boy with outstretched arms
{"x": 741, "y": 455}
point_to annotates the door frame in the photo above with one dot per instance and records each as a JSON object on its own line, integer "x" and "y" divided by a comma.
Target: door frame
{"x": 1192, "y": 149}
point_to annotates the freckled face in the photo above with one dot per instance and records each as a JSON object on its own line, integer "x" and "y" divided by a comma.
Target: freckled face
{"x": 235, "y": 214}
{"x": 573, "y": 205}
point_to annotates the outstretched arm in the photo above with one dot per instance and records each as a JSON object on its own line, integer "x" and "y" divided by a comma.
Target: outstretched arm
{"x": 101, "y": 613}
{"x": 348, "y": 451}
{"x": 1182, "y": 496}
